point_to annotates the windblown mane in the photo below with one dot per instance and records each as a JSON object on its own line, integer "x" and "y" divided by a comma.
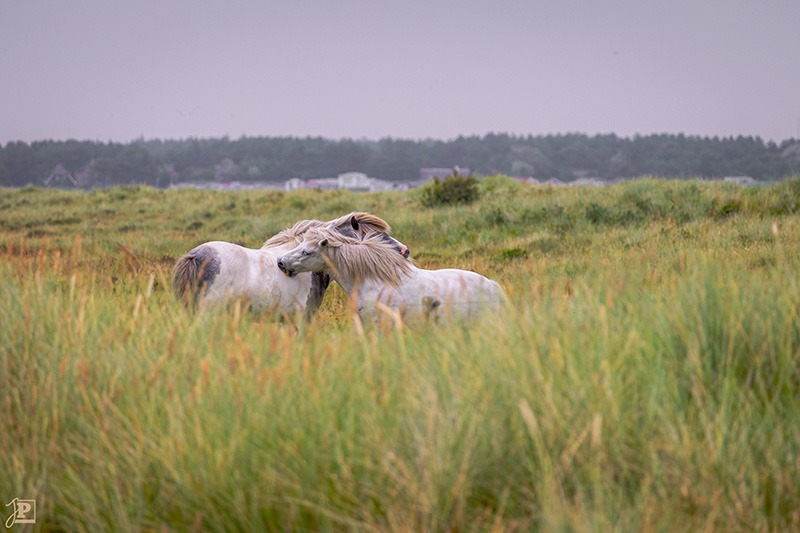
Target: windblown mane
{"x": 292, "y": 235}
{"x": 369, "y": 257}
{"x": 367, "y": 222}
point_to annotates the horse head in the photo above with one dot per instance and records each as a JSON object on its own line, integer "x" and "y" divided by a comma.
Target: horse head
{"x": 308, "y": 256}
{"x": 358, "y": 224}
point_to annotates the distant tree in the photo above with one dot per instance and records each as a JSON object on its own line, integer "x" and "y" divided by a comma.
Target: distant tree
{"x": 790, "y": 154}
{"x": 19, "y": 162}
{"x": 125, "y": 164}
{"x": 278, "y": 158}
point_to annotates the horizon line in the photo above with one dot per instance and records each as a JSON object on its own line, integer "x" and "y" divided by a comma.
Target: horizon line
{"x": 365, "y": 139}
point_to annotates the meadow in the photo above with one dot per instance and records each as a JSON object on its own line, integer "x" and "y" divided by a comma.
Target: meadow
{"x": 646, "y": 375}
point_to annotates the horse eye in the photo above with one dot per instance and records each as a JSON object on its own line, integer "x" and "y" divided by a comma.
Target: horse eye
{"x": 304, "y": 252}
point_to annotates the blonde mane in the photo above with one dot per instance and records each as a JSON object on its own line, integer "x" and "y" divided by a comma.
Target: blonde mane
{"x": 369, "y": 257}
{"x": 294, "y": 235}
{"x": 372, "y": 222}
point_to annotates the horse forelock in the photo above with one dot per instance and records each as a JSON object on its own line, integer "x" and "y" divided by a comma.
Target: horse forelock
{"x": 370, "y": 257}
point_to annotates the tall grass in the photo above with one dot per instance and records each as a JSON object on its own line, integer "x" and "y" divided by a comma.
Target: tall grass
{"x": 645, "y": 376}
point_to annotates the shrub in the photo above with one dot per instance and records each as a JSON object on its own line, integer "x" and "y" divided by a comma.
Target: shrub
{"x": 494, "y": 216}
{"x": 726, "y": 208}
{"x": 598, "y": 214}
{"x": 511, "y": 254}
{"x": 452, "y": 190}
{"x": 785, "y": 197}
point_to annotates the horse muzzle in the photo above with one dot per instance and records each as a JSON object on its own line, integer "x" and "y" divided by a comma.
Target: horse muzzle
{"x": 282, "y": 266}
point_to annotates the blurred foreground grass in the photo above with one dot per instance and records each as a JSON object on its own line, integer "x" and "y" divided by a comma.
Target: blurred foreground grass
{"x": 645, "y": 377}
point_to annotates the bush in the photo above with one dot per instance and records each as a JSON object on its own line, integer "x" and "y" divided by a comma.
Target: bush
{"x": 726, "y": 208}
{"x": 598, "y": 214}
{"x": 450, "y": 191}
{"x": 511, "y": 254}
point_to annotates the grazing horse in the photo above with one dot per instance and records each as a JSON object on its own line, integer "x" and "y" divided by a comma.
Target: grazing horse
{"x": 217, "y": 272}
{"x": 367, "y": 266}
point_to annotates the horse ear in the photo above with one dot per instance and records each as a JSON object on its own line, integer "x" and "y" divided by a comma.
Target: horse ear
{"x": 323, "y": 242}
{"x": 354, "y": 222}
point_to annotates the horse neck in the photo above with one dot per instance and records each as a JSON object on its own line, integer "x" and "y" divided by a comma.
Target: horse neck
{"x": 348, "y": 273}
{"x": 340, "y": 273}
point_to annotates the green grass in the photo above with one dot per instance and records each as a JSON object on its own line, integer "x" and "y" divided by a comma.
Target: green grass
{"x": 645, "y": 377}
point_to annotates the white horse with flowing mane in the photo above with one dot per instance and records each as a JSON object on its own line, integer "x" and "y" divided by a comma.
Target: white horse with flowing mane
{"x": 371, "y": 269}
{"x": 217, "y": 272}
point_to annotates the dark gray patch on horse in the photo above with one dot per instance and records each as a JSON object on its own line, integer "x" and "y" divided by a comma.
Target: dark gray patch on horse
{"x": 401, "y": 248}
{"x": 319, "y": 284}
{"x": 207, "y": 259}
{"x": 349, "y": 228}
{"x": 195, "y": 272}
{"x": 348, "y": 232}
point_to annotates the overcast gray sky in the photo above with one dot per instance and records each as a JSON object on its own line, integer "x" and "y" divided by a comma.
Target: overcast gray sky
{"x": 411, "y": 69}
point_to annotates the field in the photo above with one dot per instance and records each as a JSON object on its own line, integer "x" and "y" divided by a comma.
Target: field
{"x": 646, "y": 375}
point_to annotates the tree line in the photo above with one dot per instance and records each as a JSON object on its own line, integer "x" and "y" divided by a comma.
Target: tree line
{"x": 565, "y": 157}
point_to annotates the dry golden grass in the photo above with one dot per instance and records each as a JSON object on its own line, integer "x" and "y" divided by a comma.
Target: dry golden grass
{"x": 645, "y": 377}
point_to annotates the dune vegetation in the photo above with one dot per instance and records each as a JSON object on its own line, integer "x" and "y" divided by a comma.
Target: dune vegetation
{"x": 646, "y": 375}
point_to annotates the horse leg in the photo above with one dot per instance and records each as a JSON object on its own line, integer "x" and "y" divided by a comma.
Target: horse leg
{"x": 319, "y": 284}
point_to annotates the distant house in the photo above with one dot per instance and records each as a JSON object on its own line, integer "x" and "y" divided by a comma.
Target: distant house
{"x": 355, "y": 181}
{"x": 60, "y": 176}
{"x": 351, "y": 181}
{"x": 740, "y": 180}
{"x": 226, "y": 185}
{"x": 385, "y": 185}
{"x": 427, "y": 174}
{"x": 323, "y": 184}
{"x": 294, "y": 184}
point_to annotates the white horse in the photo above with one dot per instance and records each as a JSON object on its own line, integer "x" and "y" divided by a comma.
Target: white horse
{"x": 217, "y": 272}
{"x": 371, "y": 269}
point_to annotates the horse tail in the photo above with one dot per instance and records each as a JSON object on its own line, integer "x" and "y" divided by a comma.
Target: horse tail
{"x": 195, "y": 272}
{"x": 185, "y": 278}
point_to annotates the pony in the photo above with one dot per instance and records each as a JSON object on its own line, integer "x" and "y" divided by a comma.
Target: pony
{"x": 366, "y": 266}
{"x": 217, "y": 272}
